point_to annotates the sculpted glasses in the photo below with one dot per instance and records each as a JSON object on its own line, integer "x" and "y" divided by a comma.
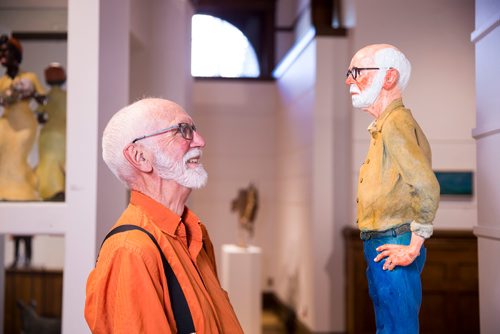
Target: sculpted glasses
{"x": 356, "y": 71}
{"x": 187, "y": 130}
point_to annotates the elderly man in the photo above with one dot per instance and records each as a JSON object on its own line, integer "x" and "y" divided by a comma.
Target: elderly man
{"x": 154, "y": 148}
{"x": 398, "y": 193}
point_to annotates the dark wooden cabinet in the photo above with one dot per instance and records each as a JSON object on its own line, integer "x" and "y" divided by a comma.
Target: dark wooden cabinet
{"x": 450, "y": 286}
{"x": 42, "y": 286}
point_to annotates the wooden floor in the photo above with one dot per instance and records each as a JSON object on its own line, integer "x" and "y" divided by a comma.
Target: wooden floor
{"x": 271, "y": 323}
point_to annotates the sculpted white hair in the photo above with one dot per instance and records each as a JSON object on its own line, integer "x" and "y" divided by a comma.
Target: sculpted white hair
{"x": 391, "y": 57}
{"x": 131, "y": 122}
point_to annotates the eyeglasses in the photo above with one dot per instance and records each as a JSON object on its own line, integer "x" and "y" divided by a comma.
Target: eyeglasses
{"x": 187, "y": 131}
{"x": 356, "y": 71}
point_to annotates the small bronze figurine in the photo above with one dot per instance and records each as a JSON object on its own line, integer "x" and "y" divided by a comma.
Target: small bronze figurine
{"x": 246, "y": 205}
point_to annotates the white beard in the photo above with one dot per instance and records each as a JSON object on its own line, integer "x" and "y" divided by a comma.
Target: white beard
{"x": 168, "y": 169}
{"x": 367, "y": 97}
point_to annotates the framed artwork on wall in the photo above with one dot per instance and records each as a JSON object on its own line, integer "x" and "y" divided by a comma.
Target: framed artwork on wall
{"x": 455, "y": 183}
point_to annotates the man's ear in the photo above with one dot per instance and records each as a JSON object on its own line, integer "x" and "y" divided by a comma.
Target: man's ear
{"x": 137, "y": 157}
{"x": 391, "y": 79}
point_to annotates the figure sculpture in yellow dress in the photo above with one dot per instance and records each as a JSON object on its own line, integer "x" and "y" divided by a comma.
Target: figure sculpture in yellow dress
{"x": 52, "y": 141}
{"x": 18, "y": 124}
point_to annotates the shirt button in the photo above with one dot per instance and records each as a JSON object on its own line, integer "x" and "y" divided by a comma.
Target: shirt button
{"x": 361, "y": 181}
{"x": 367, "y": 161}
{"x": 357, "y": 200}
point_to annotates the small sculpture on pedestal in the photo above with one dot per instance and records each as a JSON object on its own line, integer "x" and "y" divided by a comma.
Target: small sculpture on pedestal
{"x": 246, "y": 205}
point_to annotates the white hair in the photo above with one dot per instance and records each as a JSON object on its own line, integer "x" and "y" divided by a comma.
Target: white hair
{"x": 127, "y": 124}
{"x": 391, "y": 57}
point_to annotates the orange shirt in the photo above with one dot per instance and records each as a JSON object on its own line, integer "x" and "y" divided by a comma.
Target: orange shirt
{"x": 127, "y": 291}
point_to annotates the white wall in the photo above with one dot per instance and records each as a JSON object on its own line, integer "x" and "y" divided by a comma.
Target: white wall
{"x": 313, "y": 164}
{"x": 47, "y": 251}
{"x": 160, "y": 50}
{"x": 434, "y": 35}
{"x": 23, "y": 16}
{"x": 237, "y": 121}
{"x": 141, "y": 30}
{"x": 294, "y": 190}
{"x": 486, "y": 38}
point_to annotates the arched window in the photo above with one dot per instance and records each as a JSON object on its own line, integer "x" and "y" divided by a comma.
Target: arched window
{"x": 219, "y": 49}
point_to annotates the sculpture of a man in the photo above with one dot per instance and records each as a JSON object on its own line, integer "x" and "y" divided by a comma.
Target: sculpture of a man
{"x": 398, "y": 193}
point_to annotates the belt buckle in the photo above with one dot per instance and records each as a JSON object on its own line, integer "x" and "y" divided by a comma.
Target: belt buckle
{"x": 365, "y": 235}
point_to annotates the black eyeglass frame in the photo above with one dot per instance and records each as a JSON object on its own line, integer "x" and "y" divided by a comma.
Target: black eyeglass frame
{"x": 354, "y": 72}
{"x": 187, "y": 130}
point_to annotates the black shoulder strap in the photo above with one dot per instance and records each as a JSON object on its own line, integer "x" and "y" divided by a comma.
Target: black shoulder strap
{"x": 179, "y": 304}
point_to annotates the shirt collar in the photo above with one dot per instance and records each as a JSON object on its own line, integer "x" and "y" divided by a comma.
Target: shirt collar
{"x": 167, "y": 220}
{"x": 376, "y": 125}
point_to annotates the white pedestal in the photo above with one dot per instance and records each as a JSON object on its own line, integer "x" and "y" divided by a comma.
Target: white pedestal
{"x": 241, "y": 279}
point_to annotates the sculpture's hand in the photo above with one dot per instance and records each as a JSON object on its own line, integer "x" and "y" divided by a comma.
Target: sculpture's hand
{"x": 399, "y": 255}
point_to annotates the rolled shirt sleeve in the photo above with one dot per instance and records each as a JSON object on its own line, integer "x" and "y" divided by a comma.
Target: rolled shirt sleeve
{"x": 408, "y": 148}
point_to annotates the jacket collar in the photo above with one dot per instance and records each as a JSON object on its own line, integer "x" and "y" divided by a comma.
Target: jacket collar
{"x": 376, "y": 125}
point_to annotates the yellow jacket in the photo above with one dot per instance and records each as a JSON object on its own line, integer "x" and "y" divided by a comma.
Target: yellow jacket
{"x": 396, "y": 183}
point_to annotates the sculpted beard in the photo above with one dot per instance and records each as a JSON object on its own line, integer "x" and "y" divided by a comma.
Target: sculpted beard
{"x": 367, "y": 97}
{"x": 178, "y": 171}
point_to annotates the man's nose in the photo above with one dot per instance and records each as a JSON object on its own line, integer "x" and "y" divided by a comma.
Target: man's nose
{"x": 349, "y": 80}
{"x": 198, "y": 140}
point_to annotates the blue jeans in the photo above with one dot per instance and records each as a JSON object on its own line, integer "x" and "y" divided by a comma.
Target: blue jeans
{"x": 396, "y": 294}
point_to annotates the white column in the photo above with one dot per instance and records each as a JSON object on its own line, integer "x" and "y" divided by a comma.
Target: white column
{"x": 241, "y": 267}
{"x": 486, "y": 38}
{"x": 98, "y": 50}
{"x": 332, "y": 198}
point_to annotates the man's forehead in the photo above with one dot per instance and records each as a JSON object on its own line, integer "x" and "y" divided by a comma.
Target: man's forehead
{"x": 366, "y": 56}
{"x": 362, "y": 62}
{"x": 161, "y": 111}
{"x": 363, "y": 58}
{"x": 173, "y": 117}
